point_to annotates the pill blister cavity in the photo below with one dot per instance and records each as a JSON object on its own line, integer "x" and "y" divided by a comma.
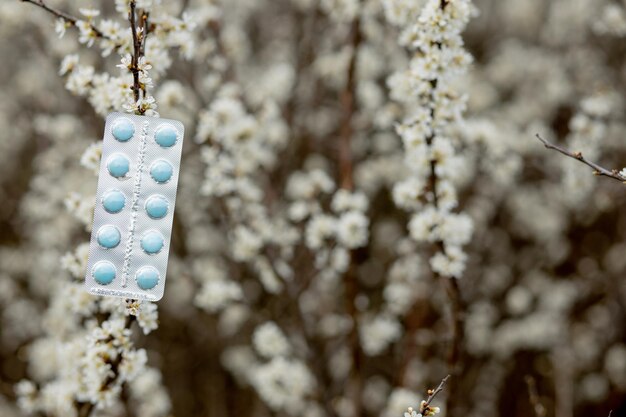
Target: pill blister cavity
{"x": 123, "y": 129}
{"x": 147, "y": 277}
{"x": 118, "y": 165}
{"x": 156, "y": 206}
{"x": 108, "y": 236}
{"x": 161, "y": 171}
{"x": 103, "y": 272}
{"x": 166, "y": 136}
{"x": 113, "y": 201}
{"x": 152, "y": 242}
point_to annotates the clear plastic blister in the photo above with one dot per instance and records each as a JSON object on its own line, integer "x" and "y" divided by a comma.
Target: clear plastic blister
{"x": 132, "y": 224}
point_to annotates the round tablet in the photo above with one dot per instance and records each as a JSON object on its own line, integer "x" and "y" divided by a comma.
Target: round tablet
{"x": 161, "y": 171}
{"x": 152, "y": 242}
{"x": 113, "y": 201}
{"x": 118, "y": 165}
{"x": 147, "y": 277}
{"x": 108, "y": 236}
{"x": 123, "y": 129}
{"x": 156, "y": 206}
{"x": 103, "y": 272}
{"x": 166, "y": 135}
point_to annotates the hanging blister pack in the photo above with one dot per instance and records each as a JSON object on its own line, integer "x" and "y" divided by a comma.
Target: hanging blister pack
{"x": 132, "y": 222}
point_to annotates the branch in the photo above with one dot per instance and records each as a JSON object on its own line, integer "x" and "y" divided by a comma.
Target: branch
{"x": 348, "y": 108}
{"x": 65, "y": 16}
{"x": 134, "y": 67}
{"x": 597, "y": 169}
{"x": 85, "y": 409}
{"x": 425, "y": 406}
{"x": 346, "y": 181}
{"x": 540, "y": 410}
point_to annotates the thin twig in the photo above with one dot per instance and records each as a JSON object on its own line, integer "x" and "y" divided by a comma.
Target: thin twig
{"x": 597, "y": 169}
{"x": 540, "y": 410}
{"x": 346, "y": 180}
{"x": 134, "y": 67}
{"x": 348, "y": 106}
{"x": 425, "y": 405}
{"x": 65, "y": 16}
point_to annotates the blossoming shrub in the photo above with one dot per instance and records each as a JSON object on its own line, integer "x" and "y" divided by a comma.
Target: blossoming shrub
{"x": 363, "y": 208}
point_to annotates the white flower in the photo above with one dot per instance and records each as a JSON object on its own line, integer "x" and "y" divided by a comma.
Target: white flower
{"x": 406, "y": 194}
{"x": 378, "y": 333}
{"x": 60, "y": 26}
{"x": 126, "y": 62}
{"x": 91, "y": 157}
{"x": 86, "y": 33}
{"x": 148, "y": 317}
{"x": 284, "y": 384}
{"x": 216, "y": 294}
{"x": 424, "y": 225}
{"x": 319, "y": 228}
{"x": 133, "y": 364}
{"x": 246, "y": 243}
{"x": 455, "y": 229}
{"x": 344, "y": 200}
{"x": 89, "y": 13}
{"x": 270, "y": 341}
{"x": 449, "y": 264}
{"x": 352, "y": 229}
{"x": 68, "y": 64}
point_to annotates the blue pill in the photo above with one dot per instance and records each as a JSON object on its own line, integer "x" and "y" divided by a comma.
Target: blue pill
{"x": 118, "y": 165}
{"x": 161, "y": 171}
{"x": 113, "y": 201}
{"x": 123, "y": 130}
{"x": 156, "y": 206}
{"x": 147, "y": 277}
{"x": 108, "y": 236}
{"x": 103, "y": 272}
{"x": 152, "y": 242}
{"x": 166, "y": 136}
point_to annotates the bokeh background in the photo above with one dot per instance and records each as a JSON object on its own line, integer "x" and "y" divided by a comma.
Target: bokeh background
{"x": 543, "y": 297}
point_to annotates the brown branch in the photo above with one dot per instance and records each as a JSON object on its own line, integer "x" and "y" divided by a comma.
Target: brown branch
{"x": 86, "y": 408}
{"x": 65, "y": 16}
{"x": 134, "y": 67}
{"x": 346, "y": 181}
{"x": 539, "y": 409}
{"x": 597, "y": 169}
{"x": 425, "y": 405}
{"x": 454, "y": 352}
{"x": 348, "y": 108}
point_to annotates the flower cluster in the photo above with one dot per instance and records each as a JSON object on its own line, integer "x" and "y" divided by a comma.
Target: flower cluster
{"x": 428, "y": 130}
{"x": 339, "y": 158}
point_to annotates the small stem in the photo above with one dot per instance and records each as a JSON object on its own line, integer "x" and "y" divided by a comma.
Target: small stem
{"x": 351, "y": 285}
{"x": 348, "y": 107}
{"x": 432, "y": 394}
{"x": 134, "y": 66}
{"x": 597, "y": 169}
{"x": 65, "y": 16}
{"x": 540, "y": 410}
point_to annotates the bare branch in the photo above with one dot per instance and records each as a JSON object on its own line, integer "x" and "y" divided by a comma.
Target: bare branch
{"x": 425, "y": 406}
{"x": 65, "y": 16}
{"x": 540, "y": 410}
{"x": 139, "y": 32}
{"x": 597, "y": 169}
{"x": 348, "y": 108}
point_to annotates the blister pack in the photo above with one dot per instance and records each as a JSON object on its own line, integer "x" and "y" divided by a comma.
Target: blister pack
{"x": 132, "y": 222}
